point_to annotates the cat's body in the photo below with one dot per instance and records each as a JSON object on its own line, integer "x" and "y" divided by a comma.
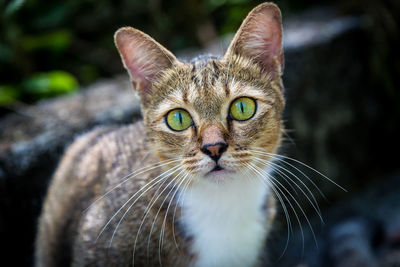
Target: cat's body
{"x": 235, "y": 214}
{"x": 168, "y": 193}
{"x": 101, "y": 162}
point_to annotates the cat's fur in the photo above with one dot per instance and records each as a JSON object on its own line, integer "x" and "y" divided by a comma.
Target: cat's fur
{"x": 188, "y": 216}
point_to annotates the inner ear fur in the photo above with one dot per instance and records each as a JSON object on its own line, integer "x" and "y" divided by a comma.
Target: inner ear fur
{"x": 143, "y": 57}
{"x": 259, "y": 38}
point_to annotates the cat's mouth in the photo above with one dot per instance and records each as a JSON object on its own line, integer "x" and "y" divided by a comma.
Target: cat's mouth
{"x": 217, "y": 168}
{"x": 218, "y": 171}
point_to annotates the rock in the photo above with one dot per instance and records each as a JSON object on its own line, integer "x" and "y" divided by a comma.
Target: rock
{"x": 358, "y": 231}
{"x": 51, "y": 124}
{"x": 390, "y": 258}
{"x": 350, "y": 244}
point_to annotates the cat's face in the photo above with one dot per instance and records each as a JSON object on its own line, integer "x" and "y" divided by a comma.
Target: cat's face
{"x": 211, "y": 115}
{"x": 214, "y": 114}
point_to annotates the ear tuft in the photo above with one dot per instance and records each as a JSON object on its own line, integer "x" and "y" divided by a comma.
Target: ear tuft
{"x": 142, "y": 56}
{"x": 260, "y": 38}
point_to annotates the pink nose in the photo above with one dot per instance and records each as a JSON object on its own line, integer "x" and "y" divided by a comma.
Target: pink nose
{"x": 214, "y": 150}
{"x": 213, "y": 142}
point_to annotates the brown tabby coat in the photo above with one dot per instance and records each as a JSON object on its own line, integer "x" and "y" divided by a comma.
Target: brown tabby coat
{"x": 101, "y": 171}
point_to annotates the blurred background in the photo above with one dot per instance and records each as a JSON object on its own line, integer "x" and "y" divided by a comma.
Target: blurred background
{"x": 60, "y": 75}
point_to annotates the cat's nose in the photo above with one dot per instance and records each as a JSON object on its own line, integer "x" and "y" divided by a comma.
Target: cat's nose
{"x": 213, "y": 143}
{"x": 214, "y": 151}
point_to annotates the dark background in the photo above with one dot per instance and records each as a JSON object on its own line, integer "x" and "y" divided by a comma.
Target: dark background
{"x": 40, "y": 39}
{"x": 342, "y": 116}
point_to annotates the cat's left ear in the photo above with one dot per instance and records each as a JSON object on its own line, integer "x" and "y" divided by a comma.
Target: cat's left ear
{"x": 259, "y": 38}
{"x": 143, "y": 58}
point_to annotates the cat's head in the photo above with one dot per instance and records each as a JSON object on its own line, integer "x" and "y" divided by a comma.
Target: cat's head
{"x": 213, "y": 115}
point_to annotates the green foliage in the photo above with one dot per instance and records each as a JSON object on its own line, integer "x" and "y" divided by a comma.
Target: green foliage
{"x": 50, "y": 84}
{"x": 56, "y": 41}
{"x": 8, "y": 95}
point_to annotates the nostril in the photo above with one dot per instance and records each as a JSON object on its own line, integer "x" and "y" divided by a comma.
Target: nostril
{"x": 214, "y": 150}
{"x": 223, "y": 148}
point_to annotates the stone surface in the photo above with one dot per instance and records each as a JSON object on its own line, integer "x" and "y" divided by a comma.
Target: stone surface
{"x": 358, "y": 231}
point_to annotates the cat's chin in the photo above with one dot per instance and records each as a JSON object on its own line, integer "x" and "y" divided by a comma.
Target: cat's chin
{"x": 219, "y": 175}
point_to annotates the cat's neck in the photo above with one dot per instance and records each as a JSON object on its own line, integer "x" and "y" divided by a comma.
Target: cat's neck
{"x": 226, "y": 221}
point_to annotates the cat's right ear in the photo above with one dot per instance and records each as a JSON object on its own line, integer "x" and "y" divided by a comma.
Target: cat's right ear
{"x": 142, "y": 57}
{"x": 260, "y": 38}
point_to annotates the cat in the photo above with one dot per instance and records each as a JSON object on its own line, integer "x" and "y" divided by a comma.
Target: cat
{"x": 190, "y": 185}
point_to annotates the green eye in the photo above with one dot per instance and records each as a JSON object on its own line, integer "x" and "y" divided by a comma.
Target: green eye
{"x": 178, "y": 119}
{"x": 243, "y": 108}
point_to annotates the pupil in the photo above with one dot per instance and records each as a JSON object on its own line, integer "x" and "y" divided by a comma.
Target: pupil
{"x": 180, "y": 117}
{"x": 241, "y": 107}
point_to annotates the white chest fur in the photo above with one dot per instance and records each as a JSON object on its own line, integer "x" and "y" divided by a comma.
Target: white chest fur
{"x": 226, "y": 221}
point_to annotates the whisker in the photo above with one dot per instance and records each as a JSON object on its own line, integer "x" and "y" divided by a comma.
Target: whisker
{"x": 132, "y": 175}
{"x": 315, "y": 206}
{"x": 151, "y": 204}
{"x": 126, "y": 203}
{"x": 297, "y": 169}
{"x": 304, "y": 175}
{"x": 159, "y": 209}
{"x": 305, "y": 165}
{"x": 162, "y": 232}
{"x": 137, "y": 192}
{"x": 285, "y": 133}
{"x": 287, "y": 217}
{"x": 297, "y": 203}
{"x": 262, "y": 161}
{"x": 271, "y": 181}
{"x": 183, "y": 192}
{"x": 313, "y": 203}
{"x": 147, "y": 210}
{"x": 162, "y": 177}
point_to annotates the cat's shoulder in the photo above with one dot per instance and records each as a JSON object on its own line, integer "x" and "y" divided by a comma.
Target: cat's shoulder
{"x": 106, "y": 144}
{"x": 124, "y": 139}
{"x": 99, "y": 137}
